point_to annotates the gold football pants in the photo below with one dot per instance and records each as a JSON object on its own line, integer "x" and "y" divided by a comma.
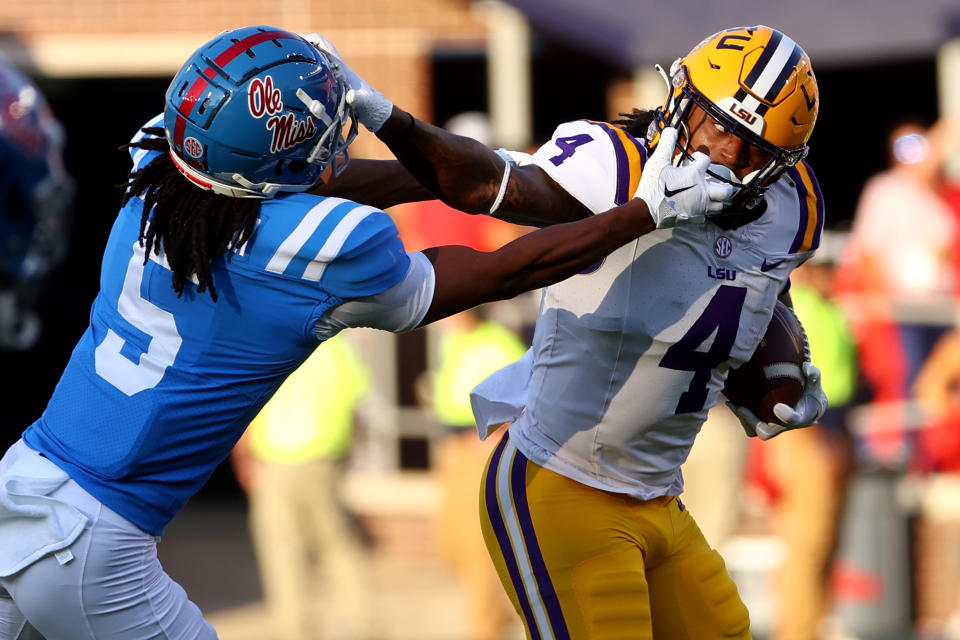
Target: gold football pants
{"x": 586, "y": 564}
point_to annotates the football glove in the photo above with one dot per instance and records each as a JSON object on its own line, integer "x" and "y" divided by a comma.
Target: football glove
{"x": 679, "y": 195}
{"x": 370, "y": 106}
{"x": 808, "y": 411}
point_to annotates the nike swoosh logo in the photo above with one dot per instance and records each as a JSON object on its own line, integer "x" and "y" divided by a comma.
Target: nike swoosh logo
{"x": 771, "y": 265}
{"x": 670, "y": 193}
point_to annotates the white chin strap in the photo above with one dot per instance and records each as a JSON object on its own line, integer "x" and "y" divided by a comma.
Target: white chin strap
{"x": 327, "y": 150}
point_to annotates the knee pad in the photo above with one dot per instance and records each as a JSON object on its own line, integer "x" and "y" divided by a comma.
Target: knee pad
{"x": 703, "y": 577}
{"x": 612, "y": 598}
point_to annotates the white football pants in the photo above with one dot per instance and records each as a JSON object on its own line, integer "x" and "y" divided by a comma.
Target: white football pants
{"x": 108, "y": 584}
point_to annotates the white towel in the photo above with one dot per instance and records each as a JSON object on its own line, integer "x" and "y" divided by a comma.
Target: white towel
{"x": 502, "y": 396}
{"x": 32, "y": 524}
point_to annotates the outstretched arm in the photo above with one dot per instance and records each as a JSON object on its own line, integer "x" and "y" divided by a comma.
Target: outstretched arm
{"x": 467, "y": 175}
{"x": 443, "y": 281}
{"x": 462, "y": 172}
{"x": 378, "y": 183}
{"x": 466, "y": 278}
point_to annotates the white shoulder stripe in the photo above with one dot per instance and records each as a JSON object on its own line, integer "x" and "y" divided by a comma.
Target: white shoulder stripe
{"x": 331, "y": 248}
{"x": 135, "y": 153}
{"x": 295, "y": 241}
{"x": 156, "y": 121}
{"x": 138, "y": 156}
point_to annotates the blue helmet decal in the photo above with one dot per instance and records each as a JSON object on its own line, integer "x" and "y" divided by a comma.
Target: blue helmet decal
{"x": 258, "y": 111}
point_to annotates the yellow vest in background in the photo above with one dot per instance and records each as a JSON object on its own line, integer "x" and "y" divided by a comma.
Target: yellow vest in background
{"x": 832, "y": 347}
{"x": 466, "y": 358}
{"x": 311, "y": 415}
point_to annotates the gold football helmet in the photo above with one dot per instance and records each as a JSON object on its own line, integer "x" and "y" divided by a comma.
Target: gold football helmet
{"x": 758, "y": 84}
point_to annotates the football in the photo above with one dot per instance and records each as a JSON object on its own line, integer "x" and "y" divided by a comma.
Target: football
{"x": 775, "y": 372}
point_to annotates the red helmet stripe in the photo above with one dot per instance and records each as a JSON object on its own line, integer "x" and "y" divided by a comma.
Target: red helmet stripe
{"x": 239, "y": 47}
{"x": 186, "y": 106}
{"x": 178, "y": 128}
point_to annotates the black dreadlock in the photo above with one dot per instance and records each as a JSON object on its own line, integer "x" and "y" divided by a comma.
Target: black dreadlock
{"x": 636, "y": 122}
{"x": 193, "y": 226}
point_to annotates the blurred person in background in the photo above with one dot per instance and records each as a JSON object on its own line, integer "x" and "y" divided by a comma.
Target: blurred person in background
{"x": 223, "y": 272}
{"x": 579, "y": 502}
{"x": 804, "y": 473}
{"x": 471, "y": 348}
{"x": 899, "y": 273}
{"x": 810, "y": 468}
{"x": 713, "y": 476}
{"x": 290, "y": 462}
{"x": 937, "y": 390}
{"x": 35, "y": 214}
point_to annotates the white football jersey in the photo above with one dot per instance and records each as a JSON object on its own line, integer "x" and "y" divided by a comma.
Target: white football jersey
{"x": 629, "y": 355}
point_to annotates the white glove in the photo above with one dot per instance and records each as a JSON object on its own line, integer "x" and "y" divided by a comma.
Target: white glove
{"x": 809, "y": 409}
{"x": 679, "y": 195}
{"x": 369, "y": 105}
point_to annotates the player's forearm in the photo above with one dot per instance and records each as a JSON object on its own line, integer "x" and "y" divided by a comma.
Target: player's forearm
{"x": 466, "y": 278}
{"x": 566, "y": 249}
{"x": 379, "y": 183}
{"x": 462, "y": 172}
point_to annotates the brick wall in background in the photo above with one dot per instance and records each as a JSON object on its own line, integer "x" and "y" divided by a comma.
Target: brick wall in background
{"x": 389, "y": 42}
{"x": 451, "y": 17}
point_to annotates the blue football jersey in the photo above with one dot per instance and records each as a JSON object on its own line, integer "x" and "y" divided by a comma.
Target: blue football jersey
{"x": 159, "y": 388}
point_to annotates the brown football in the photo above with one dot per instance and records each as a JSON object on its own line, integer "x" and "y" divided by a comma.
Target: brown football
{"x": 775, "y": 372}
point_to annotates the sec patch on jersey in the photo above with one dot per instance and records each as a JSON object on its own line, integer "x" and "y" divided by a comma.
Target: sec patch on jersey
{"x": 775, "y": 372}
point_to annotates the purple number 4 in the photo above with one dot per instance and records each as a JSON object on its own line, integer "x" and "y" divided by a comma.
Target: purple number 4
{"x": 568, "y": 145}
{"x": 723, "y": 315}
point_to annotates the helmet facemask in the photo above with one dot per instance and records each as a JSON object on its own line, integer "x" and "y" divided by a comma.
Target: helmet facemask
{"x": 331, "y": 147}
{"x": 682, "y": 95}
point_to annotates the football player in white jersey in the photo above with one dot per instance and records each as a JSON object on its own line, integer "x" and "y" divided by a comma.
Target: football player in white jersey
{"x": 579, "y": 500}
{"x": 221, "y": 275}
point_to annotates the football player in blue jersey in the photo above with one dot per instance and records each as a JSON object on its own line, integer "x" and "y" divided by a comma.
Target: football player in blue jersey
{"x": 579, "y": 502}
{"x": 35, "y": 194}
{"x": 222, "y": 273}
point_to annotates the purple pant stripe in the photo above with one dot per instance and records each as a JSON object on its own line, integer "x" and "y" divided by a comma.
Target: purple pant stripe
{"x": 503, "y": 539}
{"x": 518, "y": 475}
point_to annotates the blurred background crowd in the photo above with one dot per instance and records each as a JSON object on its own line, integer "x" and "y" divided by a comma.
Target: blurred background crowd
{"x": 349, "y": 509}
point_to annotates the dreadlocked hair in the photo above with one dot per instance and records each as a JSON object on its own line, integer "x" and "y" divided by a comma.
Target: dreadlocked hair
{"x": 193, "y": 226}
{"x": 636, "y": 122}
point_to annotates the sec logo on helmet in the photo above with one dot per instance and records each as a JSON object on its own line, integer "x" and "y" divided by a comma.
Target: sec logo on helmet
{"x": 192, "y": 147}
